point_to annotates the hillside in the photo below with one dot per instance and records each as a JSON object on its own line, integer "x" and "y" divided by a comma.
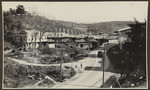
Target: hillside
{"x": 105, "y": 27}
{"x": 29, "y": 21}
{"x": 108, "y": 27}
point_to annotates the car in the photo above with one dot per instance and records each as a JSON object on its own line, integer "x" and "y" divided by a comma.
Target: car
{"x": 100, "y": 54}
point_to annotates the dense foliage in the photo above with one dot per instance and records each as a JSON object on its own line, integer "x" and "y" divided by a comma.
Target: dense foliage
{"x": 131, "y": 60}
{"x": 69, "y": 53}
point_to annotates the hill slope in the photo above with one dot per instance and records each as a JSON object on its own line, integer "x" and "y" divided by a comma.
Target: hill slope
{"x": 105, "y": 27}
{"x": 29, "y": 22}
{"x": 108, "y": 27}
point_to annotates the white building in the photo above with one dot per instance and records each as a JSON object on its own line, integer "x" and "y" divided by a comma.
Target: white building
{"x": 33, "y": 39}
{"x": 113, "y": 39}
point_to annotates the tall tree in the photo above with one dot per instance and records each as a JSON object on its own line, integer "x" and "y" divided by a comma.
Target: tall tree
{"x": 138, "y": 49}
{"x": 20, "y": 10}
{"x": 138, "y": 35}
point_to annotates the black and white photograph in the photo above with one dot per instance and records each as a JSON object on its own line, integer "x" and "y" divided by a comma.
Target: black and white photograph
{"x": 75, "y": 45}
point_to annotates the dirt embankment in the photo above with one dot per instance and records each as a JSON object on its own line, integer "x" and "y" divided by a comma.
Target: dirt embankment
{"x": 17, "y": 75}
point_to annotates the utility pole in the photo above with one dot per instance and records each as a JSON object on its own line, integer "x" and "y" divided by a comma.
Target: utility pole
{"x": 103, "y": 62}
{"x": 61, "y": 65}
{"x": 88, "y": 43}
{"x": 60, "y": 52}
{"x": 120, "y": 43}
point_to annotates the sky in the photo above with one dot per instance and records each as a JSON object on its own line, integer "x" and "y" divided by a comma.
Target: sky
{"x": 85, "y": 12}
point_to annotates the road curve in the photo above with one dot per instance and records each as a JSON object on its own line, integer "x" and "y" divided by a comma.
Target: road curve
{"x": 87, "y": 78}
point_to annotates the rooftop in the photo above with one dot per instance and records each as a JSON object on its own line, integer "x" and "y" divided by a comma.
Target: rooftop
{"x": 124, "y": 29}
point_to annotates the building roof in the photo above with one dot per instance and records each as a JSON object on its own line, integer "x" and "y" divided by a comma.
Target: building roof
{"x": 124, "y": 29}
{"x": 113, "y": 37}
{"x": 71, "y": 31}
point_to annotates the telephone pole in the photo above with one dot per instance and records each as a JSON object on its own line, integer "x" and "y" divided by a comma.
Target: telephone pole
{"x": 61, "y": 65}
{"x": 103, "y": 62}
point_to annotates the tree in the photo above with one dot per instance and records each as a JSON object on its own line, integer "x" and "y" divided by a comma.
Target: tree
{"x": 12, "y": 11}
{"x": 138, "y": 37}
{"x": 138, "y": 48}
{"x": 35, "y": 35}
{"x": 138, "y": 33}
{"x": 20, "y": 10}
{"x": 7, "y": 21}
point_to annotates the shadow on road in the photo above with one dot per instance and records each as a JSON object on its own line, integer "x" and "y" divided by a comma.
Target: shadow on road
{"x": 90, "y": 68}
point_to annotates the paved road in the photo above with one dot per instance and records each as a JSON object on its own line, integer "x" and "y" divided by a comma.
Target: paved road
{"x": 89, "y": 78}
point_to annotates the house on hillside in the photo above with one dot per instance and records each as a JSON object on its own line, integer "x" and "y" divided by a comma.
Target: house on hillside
{"x": 113, "y": 39}
{"x": 123, "y": 34}
{"x": 34, "y": 38}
